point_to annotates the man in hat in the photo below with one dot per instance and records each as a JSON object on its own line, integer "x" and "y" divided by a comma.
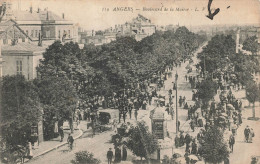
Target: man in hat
{"x": 246, "y": 133}
{"x": 231, "y": 142}
{"x": 109, "y": 155}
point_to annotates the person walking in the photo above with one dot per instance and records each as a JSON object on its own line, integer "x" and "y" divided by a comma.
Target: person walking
{"x": 246, "y": 133}
{"x": 231, "y": 142}
{"x": 124, "y": 156}
{"x": 124, "y": 115}
{"x": 117, "y": 155}
{"x": 194, "y": 147}
{"x": 136, "y": 114}
{"x": 70, "y": 141}
{"x": 182, "y": 140}
{"x": 61, "y": 133}
{"x": 192, "y": 125}
{"x": 177, "y": 141}
{"x": 109, "y": 156}
{"x": 180, "y": 101}
{"x": 251, "y": 135}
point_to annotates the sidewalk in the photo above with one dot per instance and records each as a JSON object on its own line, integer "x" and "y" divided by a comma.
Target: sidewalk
{"x": 47, "y": 146}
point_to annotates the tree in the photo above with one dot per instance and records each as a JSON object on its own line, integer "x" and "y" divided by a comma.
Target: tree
{"x": 84, "y": 157}
{"x": 215, "y": 56}
{"x": 252, "y": 94}
{"x": 59, "y": 100}
{"x": 251, "y": 44}
{"x": 206, "y": 91}
{"x": 141, "y": 142}
{"x": 20, "y": 110}
{"x": 214, "y": 148}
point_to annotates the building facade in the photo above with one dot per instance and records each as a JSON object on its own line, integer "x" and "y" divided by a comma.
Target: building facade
{"x": 138, "y": 28}
{"x": 22, "y": 58}
{"x": 42, "y": 23}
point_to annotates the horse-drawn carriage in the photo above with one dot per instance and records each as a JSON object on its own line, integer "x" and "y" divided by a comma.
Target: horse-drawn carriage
{"x": 102, "y": 119}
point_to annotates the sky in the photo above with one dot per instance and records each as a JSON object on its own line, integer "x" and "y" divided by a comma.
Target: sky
{"x": 100, "y": 14}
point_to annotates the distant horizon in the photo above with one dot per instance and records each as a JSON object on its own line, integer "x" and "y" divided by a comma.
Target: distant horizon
{"x": 89, "y": 15}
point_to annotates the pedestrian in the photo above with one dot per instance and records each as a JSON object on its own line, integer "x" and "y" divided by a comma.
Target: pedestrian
{"x": 109, "y": 156}
{"x": 70, "y": 141}
{"x": 192, "y": 125}
{"x": 29, "y": 152}
{"x": 234, "y": 129}
{"x": 124, "y": 115}
{"x": 120, "y": 115}
{"x": 180, "y": 101}
{"x": 246, "y": 133}
{"x": 177, "y": 141}
{"x": 188, "y": 148}
{"x": 136, "y": 114}
{"x": 251, "y": 135}
{"x": 194, "y": 148}
{"x": 117, "y": 155}
{"x": 182, "y": 140}
{"x": 124, "y": 153}
{"x": 61, "y": 133}
{"x": 130, "y": 107}
{"x": 239, "y": 118}
{"x": 231, "y": 142}
{"x": 183, "y": 100}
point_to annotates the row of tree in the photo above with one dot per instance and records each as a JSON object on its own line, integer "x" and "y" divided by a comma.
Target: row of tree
{"x": 220, "y": 60}
{"x": 69, "y": 76}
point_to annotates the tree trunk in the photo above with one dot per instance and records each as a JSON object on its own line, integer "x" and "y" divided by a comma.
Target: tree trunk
{"x": 253, "y": 109}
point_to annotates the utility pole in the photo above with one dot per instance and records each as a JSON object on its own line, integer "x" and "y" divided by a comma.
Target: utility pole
{"x": 176, "y": 87}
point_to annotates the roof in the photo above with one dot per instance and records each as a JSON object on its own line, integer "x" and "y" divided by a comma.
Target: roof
{"x": 7, "y": 26}
{"x": 21, "y": 48}
{"x": 36, "y": 16}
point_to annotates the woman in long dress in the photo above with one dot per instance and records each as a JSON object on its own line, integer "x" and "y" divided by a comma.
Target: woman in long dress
{"x": 251, "y": 135}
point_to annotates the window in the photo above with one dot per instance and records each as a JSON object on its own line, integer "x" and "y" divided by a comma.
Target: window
{"x": 27, "y": 33}
{"x": 69, "y": 33}
{"x": 59, "y": 34}
{"x": 19, "y": 67}
{"x": 36, "y": 33}
{"x": 48, "y": 34}
{"x": 32, "y": 33}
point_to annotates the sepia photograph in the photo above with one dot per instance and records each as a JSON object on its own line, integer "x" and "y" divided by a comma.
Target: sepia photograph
{"x": 130, "y": 81}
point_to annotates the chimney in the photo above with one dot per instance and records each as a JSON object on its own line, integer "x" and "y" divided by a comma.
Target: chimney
{"x": 63, "y": 16}
{"x": 31, "y": 9}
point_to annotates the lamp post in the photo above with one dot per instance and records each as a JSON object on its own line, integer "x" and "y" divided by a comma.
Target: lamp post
{"x": 176, "y": 87}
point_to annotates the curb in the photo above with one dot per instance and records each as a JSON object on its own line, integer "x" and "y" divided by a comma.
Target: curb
{"x": 54, "y": 148}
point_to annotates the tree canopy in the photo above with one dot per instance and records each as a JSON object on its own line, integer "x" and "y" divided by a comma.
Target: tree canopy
{"x": 251, "y": 44}
{"x": 20, "y": 110}
{"x": 141, "y": 142}
{"x": 214, "y": 148}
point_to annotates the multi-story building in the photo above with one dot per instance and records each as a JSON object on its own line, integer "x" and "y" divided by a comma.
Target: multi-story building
{"x": 21, "y": 58}
{"x": 42, "y": 23}
{"x": 138, "y": 28}
{"x": 10, "y": 32}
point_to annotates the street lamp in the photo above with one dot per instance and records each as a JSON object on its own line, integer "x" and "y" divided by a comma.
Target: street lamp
{"x": 176, "y": 87}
